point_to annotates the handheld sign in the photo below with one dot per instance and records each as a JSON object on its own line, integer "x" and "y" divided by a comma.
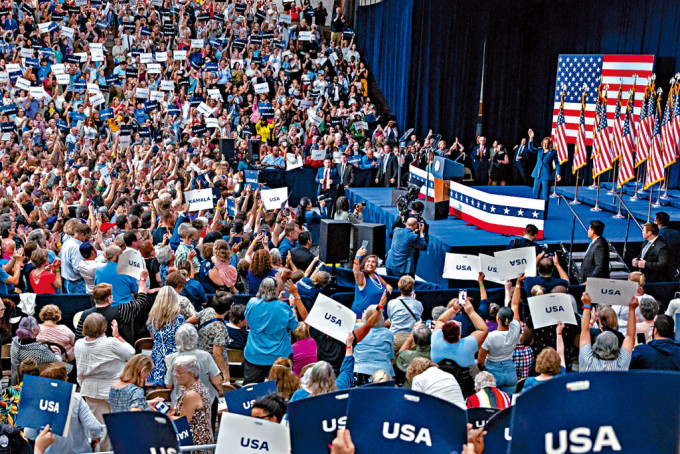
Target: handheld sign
{"x": 240, "y": 401}
{"x": 141, "y": 432}
{"x": 551, "y": 309}
{"x": 315, "y": 421}
{"x": 184, "y": 437}
{"x": 179, "y": 55}
{"x": 479, "y": 416}
{"x": 293, "y": 162}
{"x": 261, "y": 88}
{"x": 274, "y": 198}
{"x": 584, "y": 425}
{"x": 131, "y": 263}
{"x": 398, "y": 423}
{"x": 609, "y": 291}
{"x": 305, "y": 36}
{"x": 45, "y": 401}
{"x": 487, "y": 265}
{"x": 318, "y": 155}
{"x": 513, "y": 262}
{"x": 22, "y": 84}
{"x": 331, "y": 318}
{"x": 105, "y": 175}
{"x": 497, "y": 429}
{"x": 200, "y": 199}
{"x": 461, "y": 266}
{"x": 251, "y": 177}
{"x": 245, "y": 435}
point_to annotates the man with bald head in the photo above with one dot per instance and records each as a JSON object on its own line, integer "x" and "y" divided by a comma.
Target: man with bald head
{"x": 124, "y": 287}
{"x": 405, "y": 242}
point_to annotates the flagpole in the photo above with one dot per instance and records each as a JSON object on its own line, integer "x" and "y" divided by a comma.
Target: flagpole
{"x": 635, "y": 197}
{"x": 597, "y": 197}
{"x": 619, "y": 215}
{"x": 554, "y": 193}
{"x": 613, "y": 189}
{"x": 658, "y": 198}
{"x": 665, "y": 196}
{"x": 575, "y": 201}
{"x": 649, "y": 210}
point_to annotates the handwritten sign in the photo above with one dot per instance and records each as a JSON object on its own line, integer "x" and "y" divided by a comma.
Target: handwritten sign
{"x": 461, "y": 266}
{"x": 551, "y": 309}
{"x": 609, "y": 291}
{"x": 331, "y": 318}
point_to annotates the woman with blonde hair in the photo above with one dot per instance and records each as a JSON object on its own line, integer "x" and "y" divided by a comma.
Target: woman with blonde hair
{"x": 286, "y": 381}
{"x": 218, "y": 273}
{"x": 127, "y": 394}
{"x": 58, "y": 334}
{"x": 164, "y": 319}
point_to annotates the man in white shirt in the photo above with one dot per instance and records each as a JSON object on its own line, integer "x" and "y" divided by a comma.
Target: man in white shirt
{"x": 70, "y": 259}
{"x": 92, "y": 261}
{"x": 428, "y": 378}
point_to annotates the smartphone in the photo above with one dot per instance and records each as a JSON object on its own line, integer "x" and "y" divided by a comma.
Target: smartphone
{"x": 462, "y": 296}
{"x": 364, "y": 244}
{"x": 162, "y": 407}
{"x": 641, "y": 338}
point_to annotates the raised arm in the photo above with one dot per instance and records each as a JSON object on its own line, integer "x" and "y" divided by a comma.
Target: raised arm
{"x": 517, "y": 297}
{"x": 482, "y": 290}
{"x": 359, "y": 277}
{"x": 585, "y": 321}
{"x": 481, "y": 330}
{"x": 362, "y": 331}
{"x": 629, "y": 340}
{"x": 560, "y": 345}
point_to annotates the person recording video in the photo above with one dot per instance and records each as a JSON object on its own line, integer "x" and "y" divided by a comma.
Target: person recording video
{"x": 405, "y": 242}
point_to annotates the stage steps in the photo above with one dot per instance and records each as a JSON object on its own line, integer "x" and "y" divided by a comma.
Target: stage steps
{"x": 617, "y": 267}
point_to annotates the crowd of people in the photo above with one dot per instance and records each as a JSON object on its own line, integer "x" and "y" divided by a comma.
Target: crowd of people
{"x": 111, "y": 112}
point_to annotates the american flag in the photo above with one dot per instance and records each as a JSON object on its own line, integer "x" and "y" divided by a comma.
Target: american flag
{"x": 618, "y": 128}
{"x": 626, "y": 170}
{"x": 602, "y": 159}
{"x": 575, "y": 70}
{"x": 491, "y": 212}
{"x": 561, "y": 136}
{"x": 581, "y": 155}
{"x": 655, "y": 161}
{"x": 644, "y": 143}
{"x": 668, "y": 135}
{"x": 676, "y": 115}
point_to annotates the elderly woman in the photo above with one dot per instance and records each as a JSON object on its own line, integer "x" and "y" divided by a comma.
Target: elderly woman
{"x": 127, "y": 394}
{"x": 25, "y": 345}
{"x": 376, "y": 351}
{"x": 101, "y": 361}
{"x": 58, "y": 334}
{"x": 186, "y": 339}
{"x": 605, "y": 354}
{"x": 549, "y": 363}
{"x": 160, "y": 265}
{"x": 271, "y": 322}
{"x": 193, "y": 401}
{"x": 185, "y": 251}
{"x": 164, "y": 320}
{"x": 369, "y": 286}
{"x": 428, "y": 378}
{"x": 487, "y": 395}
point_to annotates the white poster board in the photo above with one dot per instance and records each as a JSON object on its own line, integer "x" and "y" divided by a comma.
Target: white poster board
{"x": 131, "y": 263}
{"x": 318, "y": 155}
{"x": 609, "y": 291}
{"x": 487, "y": 265}
{"x": 274, "y": 198}
{"x": 293, "y": 162}
{"x": 261, "y": 88}
{"x": 204, "y": 109}
{"x": 331, "y": 318}
{"x": 179, "y": 54}
{"x": 461, "y": 266}
{"x": 105, "y": 175}
{"x": 550, "y": 309}
{"x": 200, "y": 199}
{"x": 245, "y": 435}
{"x": 513, "y": 262}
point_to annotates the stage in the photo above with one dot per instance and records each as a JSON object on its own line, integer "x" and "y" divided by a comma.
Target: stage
{"x": 455, "y": 235}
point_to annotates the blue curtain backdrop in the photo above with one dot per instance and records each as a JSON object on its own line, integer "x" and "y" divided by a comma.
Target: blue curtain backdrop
{"x": 426, "y": 56}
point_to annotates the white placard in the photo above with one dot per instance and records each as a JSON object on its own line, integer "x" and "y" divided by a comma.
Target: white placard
{"x": 105, "y": 175}
{"x": 153, "y": 68}
{"x": 66, "y": 31}
{"x": 99, "y": 46}
{"x": 37, "y": 92}
{"x": 318, "y": 155}
{"x": 93, "y": 87}
{"x": 261, "y": 88}
{"x": 293, "y": 162}
{"x": 314, "y": 117}
{"x": 461, "y": 266}
{"x": 274, "y": 198}
{"x": 550, "y": 309}
{"x": 157, "y": 96}
{"x": 204, "y": 109}
{"x": 513, "y": 262}
{"x": 26, "y": 52}
{"x": 97, "y": 99}
{"x": 360, "y": 125}
{"x": 142, "y": 93}
{"x": 214, "y": 93}
{"x": 197, "y": 43}
{"x": 212, "y": 123}
{"x": 22, "y": 84}
{"x": 97, "y": 55}
{"x": 609, "y": 291}
{"x": 200, "y": 199}
{"x": 245, "y": 435}
{"x": 81, "y": 55}
{"x": 305, "y": 36}
{"x": 81, "y": 2}
{"x": 284, "y": 18}
{"x": 161, "y": 56}
{"x": 124, "y": 142}
{"x": 4, "y": 77}
{"x": 44, "y": 27}
{"x": 487, "y": 265}
{"x": 179, "y": 55}
{"x": 146, "y": 58}
{"x": 11, "y": 67}
{"x": 167, "y": 85}
{"x": 131, "y": 263}
{"x": 58, "y": 68}
{"x": 6, "y": 136}
{"x": 331, "y": 318}
{"x": 63, "y": 79}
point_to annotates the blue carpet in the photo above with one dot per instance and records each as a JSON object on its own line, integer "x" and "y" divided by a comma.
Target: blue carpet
{"x": 455, "y": 235}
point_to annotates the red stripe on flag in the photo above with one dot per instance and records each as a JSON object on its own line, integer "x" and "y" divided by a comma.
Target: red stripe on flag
{"x": 628, "y": 58}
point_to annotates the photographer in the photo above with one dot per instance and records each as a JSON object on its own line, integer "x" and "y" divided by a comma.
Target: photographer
{"x": 342, "y": 212}
{"x": 406, "y": 241}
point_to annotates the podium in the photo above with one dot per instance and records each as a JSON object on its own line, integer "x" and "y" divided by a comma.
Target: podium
{"x": 443, "y": 170}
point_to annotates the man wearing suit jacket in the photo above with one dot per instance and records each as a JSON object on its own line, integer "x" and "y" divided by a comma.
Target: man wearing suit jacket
{"x": 327, "y": 178}
{"x": 596, "y": 261}
{"x": 388, "y": 168}
{"x": 654, "y": 260}
{"x": 521, "y": 161}
{"x": 543, "y": 173}
{"x": 672, "y": 239}
{"x": 481, "y": 155}
{"x": 345, "y": 174}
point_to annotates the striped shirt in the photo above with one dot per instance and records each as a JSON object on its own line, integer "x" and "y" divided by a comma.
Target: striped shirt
{"x": 489, "y": 398}
{"x": 588, "y": 362}
{"x": 100, "y": 363}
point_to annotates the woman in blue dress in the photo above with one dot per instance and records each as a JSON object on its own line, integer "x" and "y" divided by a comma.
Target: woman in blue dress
{"x": 369, "y": 286}
{"x": 164, "y": 320}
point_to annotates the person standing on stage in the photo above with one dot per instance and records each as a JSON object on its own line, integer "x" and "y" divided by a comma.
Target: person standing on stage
{"x": 654, "y": 258}
{"x": 547, "y": 166}
{"x": 480, "y": 162}
{"x": 521, "y": 160}
{"x": 596, "y": 261}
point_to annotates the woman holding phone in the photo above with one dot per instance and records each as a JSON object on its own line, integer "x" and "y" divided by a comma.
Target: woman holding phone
{"x": 369, "y": 286}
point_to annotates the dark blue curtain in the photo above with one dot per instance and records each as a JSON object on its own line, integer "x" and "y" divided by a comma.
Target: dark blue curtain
{"x": 438, "y": 86}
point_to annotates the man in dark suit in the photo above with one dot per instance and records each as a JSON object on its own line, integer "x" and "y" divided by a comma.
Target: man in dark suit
{"x": 345, "y": 174}
{"x": 654, "y": 260}
{"x": 388, "y": 168}
{"x": 521, "y": 161}
{"x": 528, "y": 240}
{"x": 327, "y": 178}
{"x": 544, "y": 173}
{"x": 672, "y": 239}
{"x": 481, "y": 155}
{"x": 596, "y": 261}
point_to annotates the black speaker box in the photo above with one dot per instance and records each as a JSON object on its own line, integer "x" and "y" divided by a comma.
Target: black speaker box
{"x": 435, "y": 210}
{"x": 227, "y": 149}
{"x": 334, "y": 240}
{"x": 375, "y": 235}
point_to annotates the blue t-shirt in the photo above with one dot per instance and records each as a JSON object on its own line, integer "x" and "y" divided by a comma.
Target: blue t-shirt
{"x": 531, "y": 382}
{"x": 255, "y": 281}
{"x": 123, "y": 285}
{"x": 462, "y": 352}
{"x": 374, "y": 352}
{"x": 370, "y": 294}
{"x": 548, "y": 283}
{"x": 270, "y": 325}
{"x": 3, "y": 279}
{"x": 308, "y": 292}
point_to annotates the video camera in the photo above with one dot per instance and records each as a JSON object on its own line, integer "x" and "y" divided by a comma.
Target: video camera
{"x": 405, "y": 205}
